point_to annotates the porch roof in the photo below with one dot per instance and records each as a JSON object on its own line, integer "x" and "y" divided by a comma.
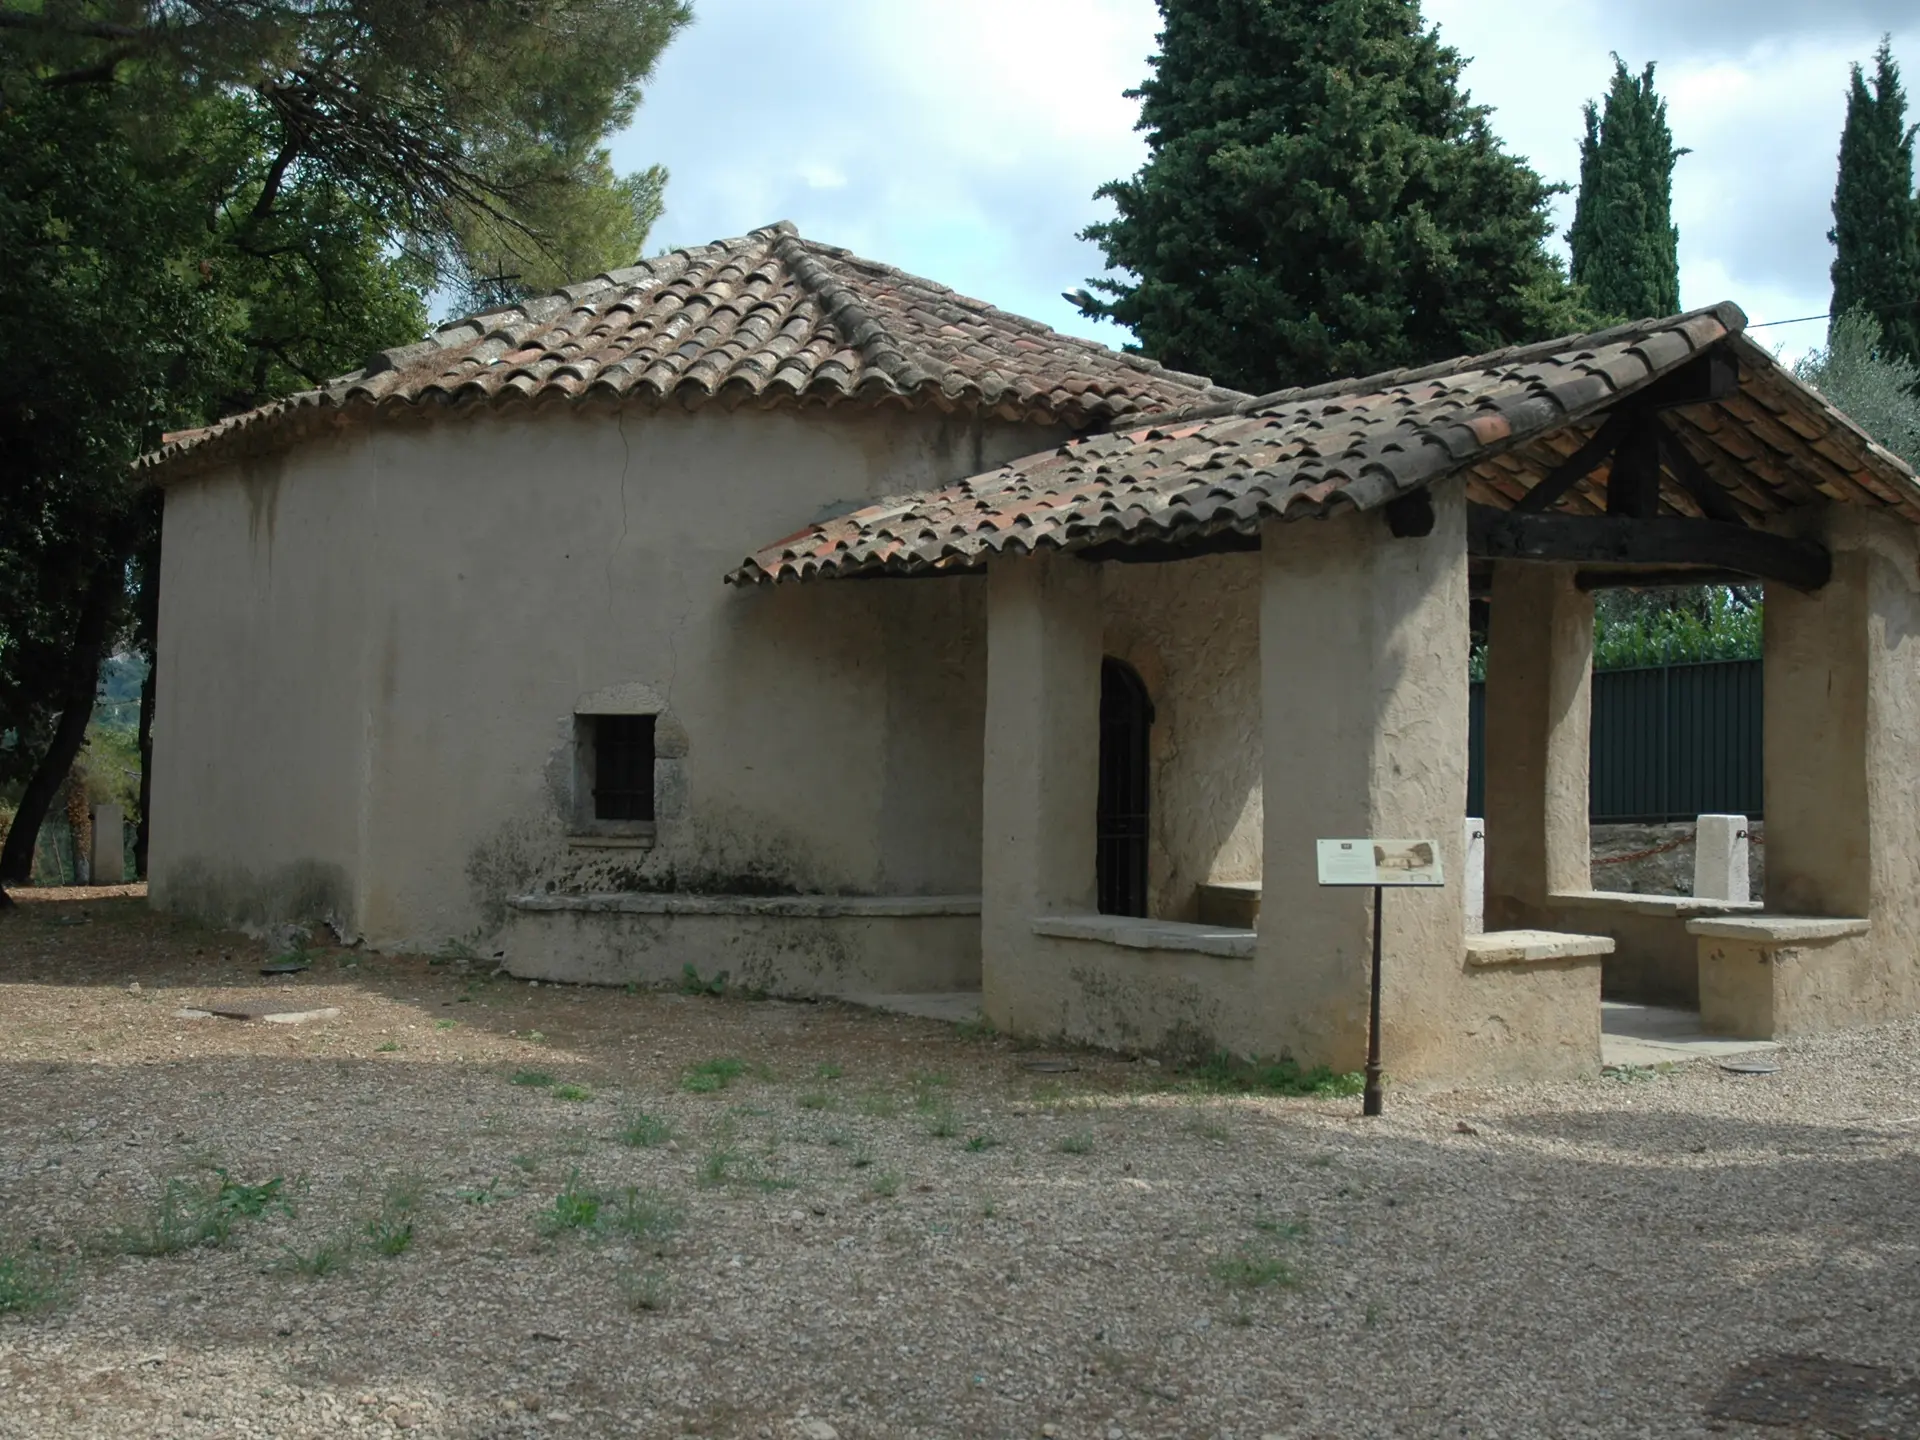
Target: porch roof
{"x": 1739, "y": 446}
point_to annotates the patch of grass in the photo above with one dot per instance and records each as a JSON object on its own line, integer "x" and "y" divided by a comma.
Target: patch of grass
{"x": 827, "y": 1070}
{"x": 885, "y": 1185}
{"x": 576, "y": 1207}
{"x": 641, "y": 1215}
{"x": 879, "y": 1104}
{"x": 526, "y": 1163}
{"x": 483, "y": 1194}
{"x": 977, "y": 1143}
{"x": 977, "y": 1029}
{"x": 815, "y": 1100}
{"x": 943, "y": 1124}
{"x": 193, "y": 1213}
{"x": 710, "y": 1076}
{"x": 572, "y": 1092}
{"x": 388, "y": 1048}
{"x": 645, "y": 1291}
{"x": 644, "y": 1131}
{"x": 1080, "y": 1142}
{"x": 328, "y": 1257}
{"x": 445, "y": 1024}
{"x": 536, "y": 1037}
{"x": 861, "y": 1158}
{"x": 1225, "y": 1074}
{"x": 717, "y": 1165}
{"x": 1209, "y": 1127}
{"x": 30, "y": 1282}
{"x": 534, "y": 1079}
{"x": 1249, "y": 1270}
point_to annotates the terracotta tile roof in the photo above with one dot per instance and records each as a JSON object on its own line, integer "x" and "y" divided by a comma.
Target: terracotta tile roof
{"x": 1506, "y": 418}
{"x": 768, "y": 319}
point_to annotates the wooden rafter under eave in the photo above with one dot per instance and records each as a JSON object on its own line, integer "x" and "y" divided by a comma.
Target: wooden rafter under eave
{"x": 1664, "y": 542}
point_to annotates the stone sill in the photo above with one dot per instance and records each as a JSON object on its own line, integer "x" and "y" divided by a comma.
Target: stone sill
{"x": 1772, "y": 930}
{"x": 806, "y": 907}
{"x": 1670, "y": 905}
{"x": 1138, "y": 934}
{"x": 1534, "y": 947}
{"x": 634, "y": 839}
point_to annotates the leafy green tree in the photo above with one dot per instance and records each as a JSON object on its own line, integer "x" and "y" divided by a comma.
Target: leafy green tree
{"x": 208, "y": 203}
{"x": 1876, "y": 219}
{"x": 1321, "y": 199}
{"x": 1626, "y": 251}
{"x": 1878, "y": 388}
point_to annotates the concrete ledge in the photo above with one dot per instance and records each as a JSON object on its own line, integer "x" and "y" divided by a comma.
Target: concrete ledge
{"x": 1525, "y": 947}
{"x": 805, "y": 907}
{"x": 1632, "y": 904}
{"x": 1763, "y": 931}
{"x": 1138, "y": 934}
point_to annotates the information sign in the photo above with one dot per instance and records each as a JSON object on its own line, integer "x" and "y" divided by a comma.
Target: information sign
{"x": 1379, "y": 862}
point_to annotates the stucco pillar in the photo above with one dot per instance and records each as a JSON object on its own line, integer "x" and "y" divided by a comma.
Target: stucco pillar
{"x": 1363, "y": 653}
{"x": 1041, "y": 770}
{"x": 1538, "y": 719}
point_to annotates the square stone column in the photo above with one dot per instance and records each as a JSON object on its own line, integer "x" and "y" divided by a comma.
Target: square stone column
{"x": 1042, "y": 770}
{"x": 109, "y": 865}
{"x": 1363, "y": 652}
{"x": 1539, "y": 717}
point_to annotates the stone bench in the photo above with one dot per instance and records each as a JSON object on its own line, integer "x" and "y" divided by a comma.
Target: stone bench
{"x": 1533, "y": 947}
{"x": 1760, "y": 976}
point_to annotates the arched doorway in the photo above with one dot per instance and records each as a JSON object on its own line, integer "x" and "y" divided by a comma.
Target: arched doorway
{"x": 1126, "y": 720}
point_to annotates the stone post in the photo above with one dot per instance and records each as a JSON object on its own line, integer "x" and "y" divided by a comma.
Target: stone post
{"x": 1042, "y": 776}
{"x": 109, "y": 846}
{"x": 1473, "y": 872}
{"x": 1363, "y": 655}
{"x": 1539, "y": 691}
{"x": 1720, "y": 858}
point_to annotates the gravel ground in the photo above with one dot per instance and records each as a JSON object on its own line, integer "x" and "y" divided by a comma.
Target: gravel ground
{"x": 885, "y": 1227}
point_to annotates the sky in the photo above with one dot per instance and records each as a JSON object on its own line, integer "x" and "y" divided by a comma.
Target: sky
{"x": 962, "y": 140}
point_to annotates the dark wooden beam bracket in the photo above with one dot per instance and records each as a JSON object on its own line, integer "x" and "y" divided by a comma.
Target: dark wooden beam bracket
{"x": 1661, "y": 542}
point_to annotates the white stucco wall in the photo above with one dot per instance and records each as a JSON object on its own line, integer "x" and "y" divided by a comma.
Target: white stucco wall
{"x": 372, "y": 648}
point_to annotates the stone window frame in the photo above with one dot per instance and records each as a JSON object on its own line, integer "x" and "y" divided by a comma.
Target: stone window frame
{"x": 585, "y": 829}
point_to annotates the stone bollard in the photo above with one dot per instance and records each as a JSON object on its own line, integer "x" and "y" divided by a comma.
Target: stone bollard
{"x": 1473, "y": 873}
{"x": 1720, "y": 858}
{"x": 109, "y": 846}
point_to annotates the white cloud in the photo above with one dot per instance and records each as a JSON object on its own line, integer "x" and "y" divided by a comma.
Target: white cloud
{"x": 963, "y": 141}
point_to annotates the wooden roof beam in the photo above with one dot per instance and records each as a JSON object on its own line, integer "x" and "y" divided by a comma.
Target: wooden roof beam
{"x": 1662, "y": 542}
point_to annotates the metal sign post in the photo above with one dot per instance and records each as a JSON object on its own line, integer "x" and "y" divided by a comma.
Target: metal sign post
{"x": 1378, "y": 865}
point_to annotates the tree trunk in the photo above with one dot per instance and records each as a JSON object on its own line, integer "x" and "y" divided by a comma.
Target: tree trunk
{"x": 90, "y": 634}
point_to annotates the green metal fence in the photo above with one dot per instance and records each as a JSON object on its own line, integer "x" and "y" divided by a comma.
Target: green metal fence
{"x": 1669, "y": 742}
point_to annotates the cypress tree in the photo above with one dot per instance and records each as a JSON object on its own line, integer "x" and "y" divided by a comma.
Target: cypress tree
{"x": 1876, "y": 219}
{"x": 1626, "y": 251}
{"x": 1321, "y": 199}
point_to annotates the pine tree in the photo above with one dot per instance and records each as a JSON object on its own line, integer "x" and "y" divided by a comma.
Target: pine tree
{"x": 1625, "y": 246}
{"x": 1321, "y": 199}
{"x": 1876, "y": 219}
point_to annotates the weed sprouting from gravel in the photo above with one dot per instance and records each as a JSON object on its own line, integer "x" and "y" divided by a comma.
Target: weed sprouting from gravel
{"x": 572, "y": 1092}
{"x": 193, "y": 1213}
{"x": 815, "y": 1100}
{"x": 328, "y": 1257}
{"x": 644, "y": 1131}
{"x": 1249, "y": 1270}
{"x": 641, "y": 1215}
{"x": 943, "y": 1124}
{"x": 976, "y": 1030}
{"x": 978, "y": 1143}
{"x": 827, "y": 1070}
{"x": 885, "y": 1185}
{"x": 1080, "y": 1142}
{"x": 879, "y": 1104}
{"x": 1209, "y": 1127}
{"x": 645, "y": 1291}
{"x": 390, "y": 1232}
{"x": 1281, "y": 1229}
{"x": 575, "y": 1208}
{"x": 534, "y": 1079}
{"x": 388, "y": 1048}
{"x": 30, "y": 1282}
{"x": 710, "y": 1076}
